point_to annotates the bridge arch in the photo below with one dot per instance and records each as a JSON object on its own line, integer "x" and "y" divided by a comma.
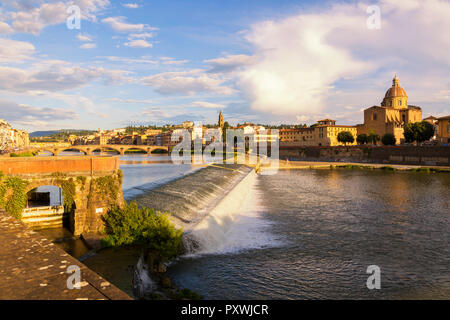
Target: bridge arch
{"x": 82, "y": 150}
{"x": 159, "y": 149}
{"x": 145, "y": 149}
{"x": 104, "y": 148}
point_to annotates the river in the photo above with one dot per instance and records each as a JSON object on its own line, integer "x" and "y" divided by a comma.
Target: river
{"x": 305, "y": 234}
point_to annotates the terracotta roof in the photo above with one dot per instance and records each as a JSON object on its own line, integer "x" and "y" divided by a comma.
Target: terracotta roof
{"x": 327, "y": 120}
{"x": 444, "y": 118}
{"x": 395, "y": 91}
{"x": 430, "y": 118}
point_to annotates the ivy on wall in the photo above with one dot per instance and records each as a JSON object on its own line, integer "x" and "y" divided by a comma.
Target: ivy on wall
{"x": 108, "y": 188}
{"x": 68, "y": 190}
{"x": 82, "y": 181}
{"x": 13, "y": 195}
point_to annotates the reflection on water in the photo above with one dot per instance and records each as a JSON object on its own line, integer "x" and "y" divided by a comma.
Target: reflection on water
{"x": 143, "y": 172}
{"x": 66, "y": 240}
{"x": 336, "y": 224}
{"x": 116, "y": 265}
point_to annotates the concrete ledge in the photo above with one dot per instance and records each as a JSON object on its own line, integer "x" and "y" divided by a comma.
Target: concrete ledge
{"x": 33, "y": 268}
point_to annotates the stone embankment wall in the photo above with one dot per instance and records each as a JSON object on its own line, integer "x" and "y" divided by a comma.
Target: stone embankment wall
{"x": 430, "y": 155}
{"x": 92, "y": 184}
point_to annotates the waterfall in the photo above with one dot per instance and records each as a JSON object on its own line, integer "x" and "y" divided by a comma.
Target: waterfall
{"x": 218, "y": 207}
{"x": 142, "y": 283}
{"x": 233, "y": 224}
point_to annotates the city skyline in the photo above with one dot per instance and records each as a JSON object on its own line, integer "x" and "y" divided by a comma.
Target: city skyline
{"x": 147, "y": 62}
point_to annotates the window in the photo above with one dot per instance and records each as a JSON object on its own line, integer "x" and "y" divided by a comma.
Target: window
{"x": 390, "y": 104}
{"x": 399, "y": 102}
{"x": 403, "y": 118}
{"x": 374, "y": 117}
{"x": 448, "y": 128}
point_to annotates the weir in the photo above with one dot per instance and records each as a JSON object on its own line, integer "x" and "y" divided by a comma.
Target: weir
{"x": 217, "y": 208}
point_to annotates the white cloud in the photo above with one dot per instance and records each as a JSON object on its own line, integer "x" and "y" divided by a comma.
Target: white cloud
{"x": 84, "y": 37}
{"x": 145, "y": 35}
{"x": 187, "y": 82}
{"x": 143, "y": 59}
{"x": 30, "y": 16}
{"x": 28, "y": 115}
{"x": 88, "y": 46}
{"x": 119, "y": 25}
{"x": 5, "y": 28}
{"x": 131, "y": 5}
{"x": 56, "y": 76}
{"x": 172, "y": 61}
{"x": 138, "y": 44}
{"x": 230, "y": 62}
{"x": 15, "y": 51}
{"x": 208, "y": 105}
{"x": 300, "y": 59}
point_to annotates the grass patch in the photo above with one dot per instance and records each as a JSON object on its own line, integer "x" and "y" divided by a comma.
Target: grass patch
{"x": 23, "y": 154}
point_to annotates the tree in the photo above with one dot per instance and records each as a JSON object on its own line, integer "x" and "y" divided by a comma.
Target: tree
{"x": 345, "y": 137}
{"x": 373, "y": 137}
{"x": 418, "y": 132}
{"x": 362, "y": 138}
{"x": 388, "y": 139}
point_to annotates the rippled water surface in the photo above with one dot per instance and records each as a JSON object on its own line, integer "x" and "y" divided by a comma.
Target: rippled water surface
{"x": 330, "y": 225}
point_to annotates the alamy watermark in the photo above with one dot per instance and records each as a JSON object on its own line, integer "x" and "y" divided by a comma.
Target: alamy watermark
{"x": 374, "y": 280}
{"x": 234, "y": 147}
{"x": 74, "y": 19}
{"x": 374, "y": 20}
{"x": 74, "y": 280}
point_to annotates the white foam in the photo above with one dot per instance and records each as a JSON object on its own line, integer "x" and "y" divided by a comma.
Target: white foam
{"x": 234, "y": 224}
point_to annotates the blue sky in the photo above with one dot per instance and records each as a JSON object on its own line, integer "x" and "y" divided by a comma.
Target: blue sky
{"x": 157, "y": 62}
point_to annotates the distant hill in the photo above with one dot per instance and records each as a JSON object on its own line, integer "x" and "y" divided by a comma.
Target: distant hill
{"x": 40, "y": 134}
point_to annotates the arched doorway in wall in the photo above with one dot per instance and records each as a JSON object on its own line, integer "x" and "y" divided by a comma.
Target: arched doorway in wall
{"x": 45, "y": 208}
{"x": 45, "y": 212}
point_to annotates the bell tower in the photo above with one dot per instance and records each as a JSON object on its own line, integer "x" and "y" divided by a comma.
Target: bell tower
{"x": 221, "y": 122}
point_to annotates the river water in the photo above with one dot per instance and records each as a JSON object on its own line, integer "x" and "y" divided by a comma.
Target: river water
{"x": 319, "y": 230}
{"x": 304, "y": 234}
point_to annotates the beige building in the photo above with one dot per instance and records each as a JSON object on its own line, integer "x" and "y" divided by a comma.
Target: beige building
{"x": 11, "y": 139}
{"x": 326, "y": 133}
{"x": 393, "y": 114}
{"x": 444, "y": 130}
{"x": 301, "y": 136}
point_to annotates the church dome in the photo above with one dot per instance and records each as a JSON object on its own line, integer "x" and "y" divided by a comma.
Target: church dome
{"x": 395, "y": 90}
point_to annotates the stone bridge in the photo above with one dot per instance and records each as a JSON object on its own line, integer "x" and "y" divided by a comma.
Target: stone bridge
{"x": 89, "y": 149}
{"x": 90, "y": 185}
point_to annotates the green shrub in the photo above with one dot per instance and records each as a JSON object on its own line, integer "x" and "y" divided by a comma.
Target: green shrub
{"x": 23, "y": 154}
{"x": 133, "y": 225}
{"x": 388, "y": 139}
{"x": 17, "y": 200}
{"x": 345, "y": 137}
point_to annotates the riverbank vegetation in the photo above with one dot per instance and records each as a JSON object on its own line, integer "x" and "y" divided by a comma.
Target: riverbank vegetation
{"x": 153, "y": 231}
{"x": 156, "y": 236}
{"x": 13, "y": 196}
{"x": 23, "y": 154}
